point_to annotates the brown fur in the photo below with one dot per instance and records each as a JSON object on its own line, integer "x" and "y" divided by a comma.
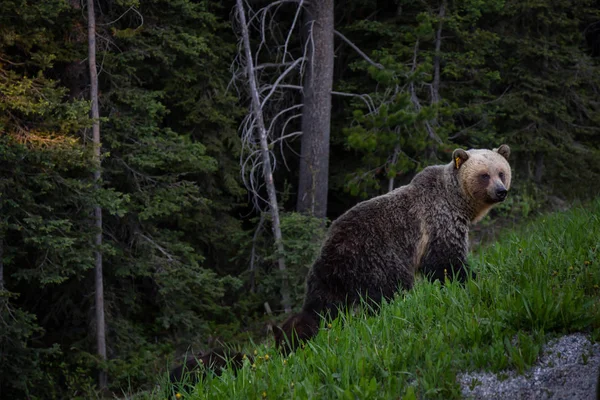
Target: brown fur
{"x": 302, "y": 327}
{"x": 421, "y": 246}
{"x": 598, "y": 386}
{"x": 215, "y": 360}
{"x": 377, "y": 247}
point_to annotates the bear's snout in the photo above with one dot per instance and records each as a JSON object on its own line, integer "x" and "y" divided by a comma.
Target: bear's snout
{"x": 501, "y": 194}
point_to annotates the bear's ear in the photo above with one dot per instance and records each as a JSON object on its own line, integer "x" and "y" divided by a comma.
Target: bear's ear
{"x": 459, "y": 156}
{"x": 503, "y": 150}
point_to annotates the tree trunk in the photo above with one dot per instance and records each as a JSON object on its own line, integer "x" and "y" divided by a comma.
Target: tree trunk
{"x": 253, "y": 254}
{"x": 431, "y": 150}
{"x": 267, "y": 168}
{"x": 539, "y": 167}
{"x": 1, "y": 263}
{"x": 435, "y": 85}
{"x": 98, "y": 280}
{"x": 393, "y": 162}
{"x": 316, "y": 114}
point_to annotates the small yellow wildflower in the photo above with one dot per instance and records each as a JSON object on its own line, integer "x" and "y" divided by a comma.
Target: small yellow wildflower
{"x": 254, "y": 365}
{"x": 255, "y": 352}
{"x": 520, "y": 250}
{"x": 177, "y": 395}
{"x": 266, "y": 357}
{"x": 244, "y": 357}
{"x": 264, "y": 395}
{"x": 329, "y": 326}
{"x": 586, "y": 262}
{"x": 570, "y": 267}
{"x": 284, "y": 362}
{"x": 292, "y": 384}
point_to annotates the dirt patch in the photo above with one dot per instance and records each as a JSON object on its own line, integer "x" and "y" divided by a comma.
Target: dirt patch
{"x": 567, "y": 369}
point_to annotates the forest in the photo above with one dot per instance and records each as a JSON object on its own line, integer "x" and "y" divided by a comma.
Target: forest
{"x": 168, "y": 168}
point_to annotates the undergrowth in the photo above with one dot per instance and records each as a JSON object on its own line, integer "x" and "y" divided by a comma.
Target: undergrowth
{"x": 533, "y": 284}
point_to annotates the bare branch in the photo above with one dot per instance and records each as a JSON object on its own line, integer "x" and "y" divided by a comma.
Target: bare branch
{"x": 272, "y": 65}
{"x": 266, "y": 87}
{"x": 132, "y": 8}
{"x": 364, "y": 97}
{"x": 268, "y": 7}
{"x": 359, "y": 51}
{"x": 274, "y": 119}
{"x": 465, "y": 130}
{"x": 10, "y": 62}
{"x": 279, "y": 79}
{"x": 289, "y": 135}
{"x": 158, "y": 247}
{"x": 287, "y": 40}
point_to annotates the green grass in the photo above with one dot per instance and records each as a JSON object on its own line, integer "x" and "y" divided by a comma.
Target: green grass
{"x": 532, "y": 285}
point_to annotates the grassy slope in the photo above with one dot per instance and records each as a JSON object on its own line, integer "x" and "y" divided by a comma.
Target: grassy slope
{"x": 531, "y": 285}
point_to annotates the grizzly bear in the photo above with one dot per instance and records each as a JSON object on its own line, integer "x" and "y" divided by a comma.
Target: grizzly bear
{"x": 377, "y": 246}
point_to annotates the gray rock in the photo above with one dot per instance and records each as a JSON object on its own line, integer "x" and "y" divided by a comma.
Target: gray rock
{"x": 567, "y": 369}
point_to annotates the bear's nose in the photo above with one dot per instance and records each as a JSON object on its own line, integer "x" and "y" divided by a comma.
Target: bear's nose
{"x": 501, "y": 193}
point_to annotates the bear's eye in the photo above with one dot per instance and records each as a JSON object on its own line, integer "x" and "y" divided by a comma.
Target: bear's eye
{"x": 501, "y": 175}
{"x": 485, "y": 176}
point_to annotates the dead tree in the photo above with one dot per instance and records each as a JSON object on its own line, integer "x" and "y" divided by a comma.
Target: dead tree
{"x": 1, "y": 261}
{"x": 282, "y": 73}
{"x": 255, "y": 136}
{"x": 95, "y": 114}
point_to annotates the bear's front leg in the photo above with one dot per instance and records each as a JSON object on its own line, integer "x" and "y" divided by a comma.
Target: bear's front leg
{"x": 441, "y": 262}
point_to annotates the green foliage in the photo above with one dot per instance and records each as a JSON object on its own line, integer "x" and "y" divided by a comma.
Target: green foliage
{"x": 411, "y": 123}
{"x": 531, "y": 285}
{"x": 510, "y": 72}
{"x": 378, "y": 135}
{"x": 45, "y": 197}
{"x": 302, "y": 238}
{"x": 170, "y": 182}
{"x": 45, "y": 237}
{"x": 178, "y": 232}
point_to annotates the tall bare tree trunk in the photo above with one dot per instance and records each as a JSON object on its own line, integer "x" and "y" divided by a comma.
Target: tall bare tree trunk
{"x": 98, "y": 279}
{"x": 267, "y": 168}
{"x": 539, "y": 167}
{"x": 435, "y": 85}
{"x": 1, "y": 262}
{"x": 393, "y": 162}
{"x": 316, "y": 114}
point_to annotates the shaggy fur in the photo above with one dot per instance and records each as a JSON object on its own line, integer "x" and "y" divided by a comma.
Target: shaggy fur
{"x": 378, "y": 246}
{"x": 215, "y": 360}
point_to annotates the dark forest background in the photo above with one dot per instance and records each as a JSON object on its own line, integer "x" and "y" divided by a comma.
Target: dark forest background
{"x": 189, "y": 258}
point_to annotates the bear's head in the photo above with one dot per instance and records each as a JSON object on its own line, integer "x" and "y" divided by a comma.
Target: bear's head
{"x": 484, "y": 176}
